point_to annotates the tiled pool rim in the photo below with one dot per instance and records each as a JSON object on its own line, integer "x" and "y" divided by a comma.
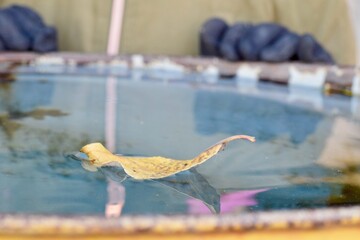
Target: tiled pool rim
{"x": 196, "y": 224}
{"x": 338, "y": 79}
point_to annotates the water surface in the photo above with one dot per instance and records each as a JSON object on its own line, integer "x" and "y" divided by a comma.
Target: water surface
{"x": 307, "y": 152}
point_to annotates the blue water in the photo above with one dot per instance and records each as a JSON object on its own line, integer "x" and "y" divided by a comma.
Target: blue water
{"x": 306, "y": 154}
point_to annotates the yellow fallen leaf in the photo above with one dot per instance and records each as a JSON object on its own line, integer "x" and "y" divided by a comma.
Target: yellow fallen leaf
{"x": 152, "y": 167}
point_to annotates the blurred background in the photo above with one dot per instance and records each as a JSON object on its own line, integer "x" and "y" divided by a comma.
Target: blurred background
{"x": 172, "y": 27}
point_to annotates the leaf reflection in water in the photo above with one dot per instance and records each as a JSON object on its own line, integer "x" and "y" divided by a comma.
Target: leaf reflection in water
{"x": 190, "y": 183}
{"x": 193, "y": 184}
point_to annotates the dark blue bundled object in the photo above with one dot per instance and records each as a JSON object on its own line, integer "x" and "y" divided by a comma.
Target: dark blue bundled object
{"x": 22, "y": 29}
{"x": 267, "y": 42}
{"x": 311, "y": 51}
{"x": 258, "y": 38}
{"x": 11, "y": 35}
{"x": 2, "y": 47}
{"x": 282, "y": 49}
{"x": 232, "y": 36}
{"x": 211, "y": 35}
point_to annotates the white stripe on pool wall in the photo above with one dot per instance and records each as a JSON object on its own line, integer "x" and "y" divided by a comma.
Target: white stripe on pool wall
{"x": 314, "y": 80}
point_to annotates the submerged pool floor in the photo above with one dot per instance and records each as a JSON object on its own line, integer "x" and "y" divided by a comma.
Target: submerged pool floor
{"x": 307, "y": 153}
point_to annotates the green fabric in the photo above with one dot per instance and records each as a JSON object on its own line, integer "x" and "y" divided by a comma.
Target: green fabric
{"x": 82, "y": 24}
{"x": 328, "y": 20}
{"x": 172, "y": 26}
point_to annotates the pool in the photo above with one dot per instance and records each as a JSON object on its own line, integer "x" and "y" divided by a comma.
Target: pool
{"x": 306, "y": 156}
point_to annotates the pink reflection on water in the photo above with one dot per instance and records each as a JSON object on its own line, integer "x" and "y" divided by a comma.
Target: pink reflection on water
{"x": 229, "y": 202}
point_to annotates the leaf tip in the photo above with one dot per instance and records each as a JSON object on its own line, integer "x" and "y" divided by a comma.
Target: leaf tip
{"x": 252, "y": 139}
{"x": 249, "y": 138}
